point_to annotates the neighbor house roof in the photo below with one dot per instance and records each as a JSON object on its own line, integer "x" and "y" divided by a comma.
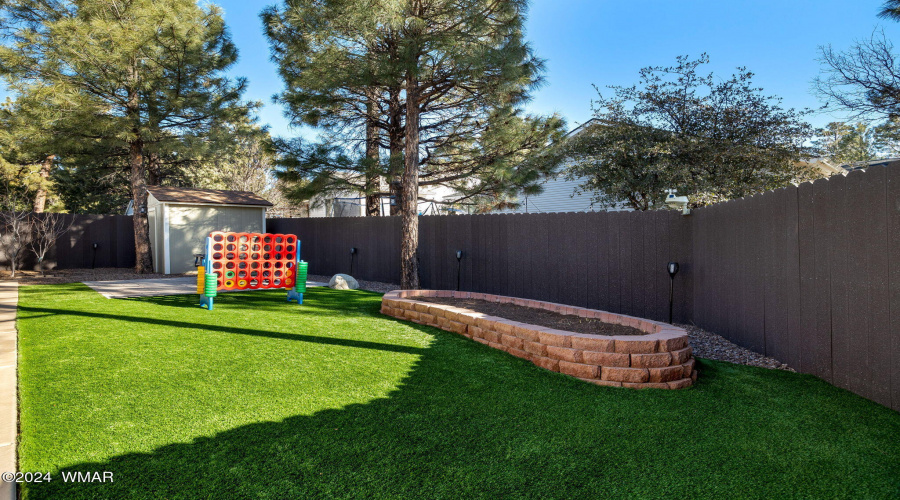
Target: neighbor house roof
{"x": 206, "y": 196}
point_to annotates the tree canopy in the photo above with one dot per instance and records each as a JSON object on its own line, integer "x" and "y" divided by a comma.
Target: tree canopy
{"x": 438, "y": 84}
{"x": 710, "y": 138}
{"x": 136, "y": 79}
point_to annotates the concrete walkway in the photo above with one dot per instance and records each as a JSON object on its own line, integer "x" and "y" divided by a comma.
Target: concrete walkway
{"x": 9, "y": 298}
{"x": 152, "y": 288}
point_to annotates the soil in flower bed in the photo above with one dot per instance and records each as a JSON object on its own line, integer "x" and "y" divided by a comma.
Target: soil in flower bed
{"x": 534, "y": 316}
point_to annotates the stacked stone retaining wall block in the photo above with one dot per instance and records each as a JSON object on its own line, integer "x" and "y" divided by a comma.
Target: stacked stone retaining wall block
{"x": 661, "y": 359}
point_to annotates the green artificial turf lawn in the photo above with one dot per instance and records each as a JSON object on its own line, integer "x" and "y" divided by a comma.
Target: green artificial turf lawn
{"x": 265, "y": 399}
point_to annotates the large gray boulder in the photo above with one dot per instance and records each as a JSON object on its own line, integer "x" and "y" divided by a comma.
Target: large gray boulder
{"x": 343, "y": 282}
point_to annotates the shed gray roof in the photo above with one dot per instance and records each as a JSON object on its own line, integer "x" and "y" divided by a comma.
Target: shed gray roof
{"x": 206, "y": 196}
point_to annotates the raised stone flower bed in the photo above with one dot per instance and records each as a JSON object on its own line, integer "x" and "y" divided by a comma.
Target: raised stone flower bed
{"x": 660, "y": 358}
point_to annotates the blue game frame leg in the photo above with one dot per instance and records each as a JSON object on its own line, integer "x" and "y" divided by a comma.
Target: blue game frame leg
{"x": 206, "y": 301}
{"x": 295, "y": 295}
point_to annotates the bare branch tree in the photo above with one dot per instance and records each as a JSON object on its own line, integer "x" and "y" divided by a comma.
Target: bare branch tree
{"x": 14, "y": 230}
{"x": 864, "y": 80}
{"x": 46, "y": 229}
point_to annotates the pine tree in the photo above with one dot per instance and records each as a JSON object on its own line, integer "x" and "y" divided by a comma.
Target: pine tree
{"x": 450, "y": 75}
{"x": 131, "y": 75}
{"x": 332, "y": 59}
{"x": 890, "y": 10}
{"x": 26, "y": 144}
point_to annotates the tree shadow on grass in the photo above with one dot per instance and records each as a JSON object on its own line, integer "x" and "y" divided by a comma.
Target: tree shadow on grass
{"x": 344, "y": 342}
{"x": 472, "y": 422}
{"x": 271, "y": 300}
{"x": 327, "y": 304}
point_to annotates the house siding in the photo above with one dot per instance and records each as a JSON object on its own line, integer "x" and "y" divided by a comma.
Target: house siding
{"x": 560, "y": 195}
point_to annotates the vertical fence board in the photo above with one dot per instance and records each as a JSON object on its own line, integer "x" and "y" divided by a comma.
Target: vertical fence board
{"x": 791, "y": 258}
{"x": 807, "y": 243}
{"x": 821, "y": 345}
{"x": 584, "y": 262}
{"x": 614, "y": 275}
{"x": 639, "y": 283}
{"x": 480, "y": 251}
{"x": 893, "y": 227}
{"x": 513, "y": 254}
{"x": 427, "y": 250}
{"x": 598, "y": 242}
{"x": 540, "y": 258}
{"x": 701, "y": 224}
{"x": 498, "y": 253}
{"x": 559, "y": 254}
{"x": 502, "y": 251}
{"x": 755, "y": 315}
{"x": 877, "y": 270}
{"x": 840, "y": 263}
{"x": 655, "y": 239}
{"x": 445, "y": 253}
{"x": 774, "y": 247}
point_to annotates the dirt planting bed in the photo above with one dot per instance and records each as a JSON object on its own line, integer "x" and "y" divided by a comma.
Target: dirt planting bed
{"x": 658, "y": 357}
{"x": 535, "y": 316}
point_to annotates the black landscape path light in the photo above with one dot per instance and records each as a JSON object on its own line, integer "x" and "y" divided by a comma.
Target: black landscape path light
{"x": 459, "y": 256}
{"x": 352, "y": 253}
{"x": 672, "y": 267}
{"x": 94, "y": 254}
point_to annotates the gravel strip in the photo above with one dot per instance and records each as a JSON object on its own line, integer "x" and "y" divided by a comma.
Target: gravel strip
{"x": 711, "y": 346}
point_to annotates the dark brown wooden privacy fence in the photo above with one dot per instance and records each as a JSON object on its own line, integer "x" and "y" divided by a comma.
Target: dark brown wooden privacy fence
{"x": 113, "y": 234}
{"x": 607, "y": 260}
{"x": 808, "y": 275}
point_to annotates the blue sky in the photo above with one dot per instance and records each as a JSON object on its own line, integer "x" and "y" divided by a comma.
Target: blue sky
{"x": 606, "y": 42}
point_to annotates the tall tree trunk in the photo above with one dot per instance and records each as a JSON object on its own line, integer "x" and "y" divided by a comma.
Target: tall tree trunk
{"x": 373, "y": 173}
{"x": 143, "y": 263}
{"x": 409, "y": 222}
{"x": 395, "y": 148}
{"x": 153, "y": 172}
{"x": 40, "y": 198}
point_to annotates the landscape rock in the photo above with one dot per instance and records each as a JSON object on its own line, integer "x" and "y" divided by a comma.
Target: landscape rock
{"x": 343, "y": 282}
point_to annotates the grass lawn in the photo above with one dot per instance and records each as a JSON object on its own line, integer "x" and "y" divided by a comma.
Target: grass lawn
{"x": 264, "y": 399}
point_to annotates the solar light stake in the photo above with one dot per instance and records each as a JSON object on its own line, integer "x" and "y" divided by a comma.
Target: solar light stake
{"x": 672, "y": 267}
{"x": 459, "y": 256}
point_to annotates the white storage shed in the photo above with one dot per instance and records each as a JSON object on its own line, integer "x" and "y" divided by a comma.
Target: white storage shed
{"x": 181, "y": 219}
